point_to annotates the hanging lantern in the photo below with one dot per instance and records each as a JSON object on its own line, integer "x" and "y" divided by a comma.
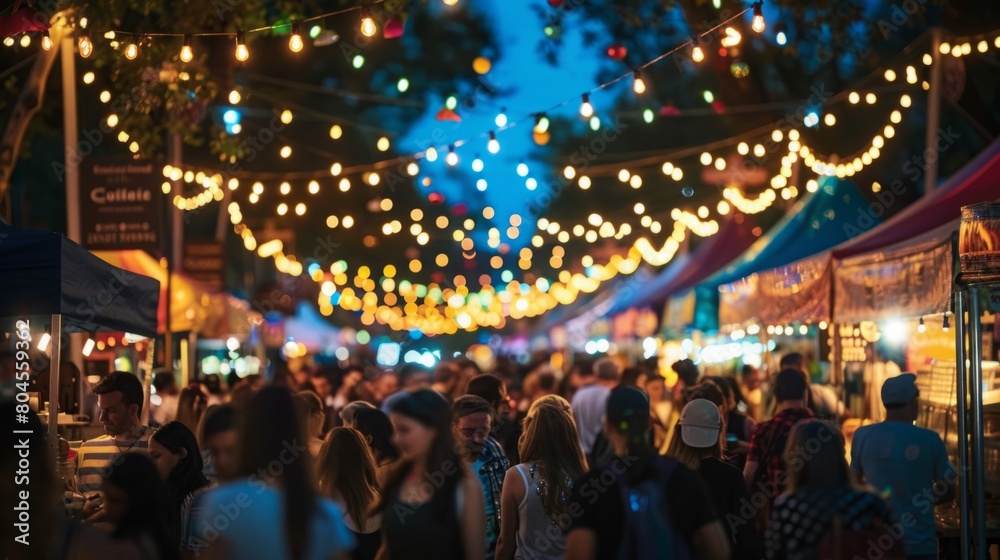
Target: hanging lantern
{"x": 617, "y": 51}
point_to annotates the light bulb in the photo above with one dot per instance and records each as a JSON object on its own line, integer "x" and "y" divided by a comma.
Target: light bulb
{"x": 368, "y": 27}
{"x": 132, "y": 50}
{"x": 431, "y": 154}
{"x": 242, "y": 52}
{"x": 295, "y": 41}
{"x": 46, "y": 41}
{"x": 25, "y": 40}
{"x": 541, "y": 123}
{"x": 781, "y": 38}
{"x": 638, "y": 85}
{"x": 921, "y": 327}
{"x": 501, "y": 119}
{"x": 88, "y": 347}
{"x": 493, "y": 145}
{"x": 186, "y": 53}
{"x": 452, "y": 158}
{"x": 85, "y": 46}
{"x": 586, "y": 109}
{"x": 43, "y": 343}
{"x": 697, "y": 54}
{"x": 758, "y": 17}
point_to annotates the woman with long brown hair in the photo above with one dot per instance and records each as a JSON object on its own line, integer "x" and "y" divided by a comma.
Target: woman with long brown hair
{"x": 273, "y": 511}
{"x": 536, "y": 492}
{"x": 347, "y": 476}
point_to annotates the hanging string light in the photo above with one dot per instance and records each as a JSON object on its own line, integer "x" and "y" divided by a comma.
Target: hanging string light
{"x": 586, "y": 109}
{"x": 84, "y": 44}
{"x": 46, "y": 41}
{"x": 493, "y": 145}
{"x": 452, "y": 158}
{"x": 697, "y": 54}
{"x": 132, "y": 50}
{"x": 186, "y": 53}
{"x": 242, "y": 52}
{"x": 368, "y": 27}
{"x": 295, "y": 41}
{"x": 638, "y": 85}
{"x": 541, "y": 123}
{"x": 758, "y": 17}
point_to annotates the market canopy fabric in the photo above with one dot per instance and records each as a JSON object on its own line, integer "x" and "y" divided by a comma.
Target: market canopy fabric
{"x": 44, "y": 273}
{"x": 798, "y": 292}
{"x": 977, "y": 181}
{"x": 830, "y": 216}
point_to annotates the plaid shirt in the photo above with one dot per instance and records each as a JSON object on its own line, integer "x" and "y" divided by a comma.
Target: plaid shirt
{"x": 767, "y": 447}
{"x": 495, "y": 465}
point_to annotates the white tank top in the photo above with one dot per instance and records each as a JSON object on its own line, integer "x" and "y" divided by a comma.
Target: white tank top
{"x": 539, "y": 537}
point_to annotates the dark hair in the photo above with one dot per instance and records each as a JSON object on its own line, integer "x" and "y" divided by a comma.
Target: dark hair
{"x": 267, "y": 423}
{"x": 791, "y": 359}
{"x": 732, "y": 387}
{"x": 218, "y": 418}
{"x": 487, "y": 386}
{"x": 747, "y": 369}
{"x": 148, "y": 503}
{"x": 431, "y": 410}
{"x": 790, "y": 385}
{"x": 347, "y": 472}
{"x": 307, "y": 403}
{"x": 819, "y": 448}
{"x": 446, "y": 372}
{"x": 163, "y": 380}
{"x": 374, "y": 424}
{"x": 707, "y": 390}
{"x": 547, "y": 381}
{"x": 127, "y": 384}
{"x": 470, "y": 404}
{"x": 186, "y": 477}
{"x": 631, "y": 375}
{"x": 686, "y": 371}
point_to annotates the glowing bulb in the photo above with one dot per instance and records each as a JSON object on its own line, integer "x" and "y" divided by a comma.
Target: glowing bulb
{"x": 282, "y": 209}
{"x": 890, "y": 75}
{"x": 285, "y": 188}
{"x": 853, "y": 97}
{"x": 743, "y": 148}
{"x": 105, "y": 96}
{"x": 43, "y": 343}
{"x": 522, "y": 169}
{"x": 541, "y": 124}
{"x": 295, "y": 41}
{"x": 781, "y": 38}
{"x": 300, "y": 209}
{"x": 638, "y": 85}
{"x": 586, "y": 109}
{"x": 25, "y": 40}
{"x": 186, "y": 53}
{"x": 501, "y": 119}
{"x": 368, "y": 27}
{"x": 88, "y": 78}
{"x": 85, "y": 46}
{"x": 382, "y": 144}
{"x": 697, "y": 54}
{"x": 286, "y": 151}
{"x": 871, "y": 98}
{"x": 477, "y": 164}
{"x": 706, "y": 158}
{"x": 132, "y": 50}
{"x": 452, "y": 158}
{"x": 47, "y": 42}
{"x": 336, "y": 132}
{"x": 758, "y": 18}
{"x": 242, "y": 52}
{"x": 112, "y": 120}
{"x": 313, "y": 187}
{"x": 829, "y": 119}
{"x": 493, "y": 145}
{"x": 431, "y": 154}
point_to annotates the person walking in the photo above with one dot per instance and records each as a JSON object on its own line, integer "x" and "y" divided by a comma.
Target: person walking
{"x": 432, "y": 507}
{"x": 347, "y": 476}
{"x": 377, "y": 431}
{"x": 536, "y": 492}
{"x": 907, "y": 463}
{"x": 137, "y": 506}
{"x": 590, "y": 400}
{"x": 174, "y": 451}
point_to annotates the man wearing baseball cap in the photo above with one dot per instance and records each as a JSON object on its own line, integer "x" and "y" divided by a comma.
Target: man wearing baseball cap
{"x": 906, "y": 463}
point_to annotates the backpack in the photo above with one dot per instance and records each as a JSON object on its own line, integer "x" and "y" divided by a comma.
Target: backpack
{"x": 649, "y": 527}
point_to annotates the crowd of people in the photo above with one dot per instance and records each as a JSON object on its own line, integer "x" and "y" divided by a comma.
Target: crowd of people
{"x": 602, "y": 462}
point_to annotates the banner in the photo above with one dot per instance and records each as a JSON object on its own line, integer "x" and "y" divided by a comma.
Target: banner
{"x": 204, "y": 261}
{"x": 120, "y": 204}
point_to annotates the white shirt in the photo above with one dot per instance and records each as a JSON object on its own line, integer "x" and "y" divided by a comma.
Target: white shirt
{"x": 589, "y": 404}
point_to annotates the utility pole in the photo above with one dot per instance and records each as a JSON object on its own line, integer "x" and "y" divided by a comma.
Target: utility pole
{"x": 933, "y": 112}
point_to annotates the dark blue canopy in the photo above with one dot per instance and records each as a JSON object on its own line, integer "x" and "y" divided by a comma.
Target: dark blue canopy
{"x": 44, "y": 273}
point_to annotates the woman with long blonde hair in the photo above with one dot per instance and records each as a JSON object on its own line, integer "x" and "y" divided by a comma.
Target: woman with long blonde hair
{"x": 536, "y": 493}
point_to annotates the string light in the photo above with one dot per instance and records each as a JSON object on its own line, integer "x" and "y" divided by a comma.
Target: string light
{"x": 46, "y": 41}
{"x": 697, "y": 54}
{"x": 541, "y": 123}
{"x": 758, "y": 17}
{"x": 132, "y": 49}
{"x": 186, "y": 53}
{"x": 921, "y": 327}
{"x": 242, "y": 52}
{"x": 586, "y": 109}
{"x": 638, "y": 85}
{"x": 501, "y": 119}
{"x": 368, "y": 27}
{"x": 295, "y": 41}
{"x": 493, "y": 145}
{"x": 452, "y": 158}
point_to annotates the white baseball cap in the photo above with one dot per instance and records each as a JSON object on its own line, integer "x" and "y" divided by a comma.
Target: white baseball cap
{"x": 700, "y": 424}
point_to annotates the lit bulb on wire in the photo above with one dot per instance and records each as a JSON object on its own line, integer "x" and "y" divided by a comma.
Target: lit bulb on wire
{"x": 638, "y": 85}
{"x": 132, "y": 49}
{"x": 85, "y": 45}
{"x": 586, "y": 109}
{"x": 921, "y": 327}
{"x": 242, "y": 52}
{"x": 697, "y": 54}
{"x": 186, "y": 53}
{"x": 295, "y": 41}
{"x": 46, "y": 41}
{"x": 368, "y": 27}
{"x": 501, "y": 119}
{"x": 493, "y": 145}
{"x": 758, "y": 17}
{"x": 452, "y": 158}
{"x": 541, "y": 123}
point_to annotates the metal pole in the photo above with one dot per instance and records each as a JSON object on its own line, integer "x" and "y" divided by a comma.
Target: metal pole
{"x": 70, "y": 140}
{"x": 933, "y": 111}
{"x": 963, "y": 433}
{"x": 172, "y": 230}
{"x": 56, "y": 342}
{"x": 976, "y": 409}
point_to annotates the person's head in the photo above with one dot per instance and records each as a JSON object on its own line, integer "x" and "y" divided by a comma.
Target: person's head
{"x": 385, "y": 384}
{"x": 301, "y": 375}
{"x": 213, "y": 384}
{"x": 793, "y": 360}
{"x": 120, "y": 397}
{"x": 376, "y": 428}
{"x": 790, "y": 388}
{"x": 268, "y": 427}
{"x": 349, "y": 411}
{"x": 492, "y": 389}
{"x": 174, "y": 451}
{"x": 699, "y": 434}
{"x": 546, "y": 383}
{"x": 448, "y": 378}
{"x": 607, "y": 372}
{"x": 473, "y": 421}
{"x": 900, "y": 397}
{"x": 707, "y": 390}
{"x": 218, "y": 436}
{"x": 731, "y": 387}
{"x": 656, "y": 388}
{"x": 136, "y": 500}
{"x": 310, "y": 411}
{"x": 321, "y": 384}
{"x": 350, "y": 378}
{"x": 626, "y": 420}
{"x": 413, "y": 377}
{"x": 347, "y": 472}
{"x": 191, "y": 405}
{"x": 422, "y": 427}
{"x": 815, "y": 456}
{"x": 687, "y": 372}
{"x": 751, "y": 377}
{"x": 581, "y": 373}
{"x": 550, "y": 438}
{"x": 164, "y": 383}
{"x": 635, "y": 377}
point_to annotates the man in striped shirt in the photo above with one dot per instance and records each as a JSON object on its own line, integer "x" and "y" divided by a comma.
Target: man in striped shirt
{"x": 120, "y": 399}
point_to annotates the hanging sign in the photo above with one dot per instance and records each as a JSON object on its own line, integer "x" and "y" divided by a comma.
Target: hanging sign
{"x": 120, "y": 204}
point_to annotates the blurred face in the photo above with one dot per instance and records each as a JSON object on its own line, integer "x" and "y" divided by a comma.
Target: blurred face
{"x": 115, "y": 502}
{"x": 164, "y": 460}
{"x": 753, "y": 380}
{"x": 655, "y": 389}
{"x": 472, "y": 431}
{"x": 386, "y": 385}
{"x": 351, "y": 380}
{"x": 117, "y": 417}
{"x": 412, "y": 438}
{"x": 505, "y": 405}
{"x": 322, "y": 387}
{"x": 222, "y": 448}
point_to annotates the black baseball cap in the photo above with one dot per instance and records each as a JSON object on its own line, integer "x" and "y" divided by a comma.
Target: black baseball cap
{"x": 628, "y": 407}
